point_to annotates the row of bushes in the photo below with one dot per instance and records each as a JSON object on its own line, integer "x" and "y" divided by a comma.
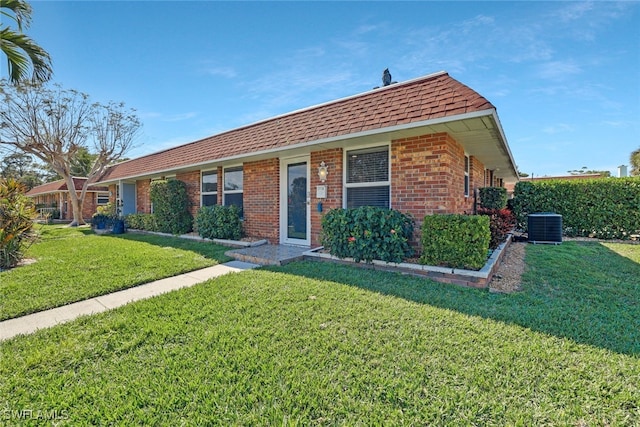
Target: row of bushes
{"x": 368, "y": 233}
{"x": 458, "y": 241}
{"x": 602, "y": 208}
{"x": 142, "y": 221}
{"x": 219, "y": 222}
{"x": 211, "y": 222}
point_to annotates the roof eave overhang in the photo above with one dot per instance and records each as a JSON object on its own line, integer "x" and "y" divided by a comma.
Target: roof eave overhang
{"x": 436, "y": 125}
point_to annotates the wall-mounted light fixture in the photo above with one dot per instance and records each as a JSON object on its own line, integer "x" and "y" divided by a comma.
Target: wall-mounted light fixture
{"x": 323, "y": 171}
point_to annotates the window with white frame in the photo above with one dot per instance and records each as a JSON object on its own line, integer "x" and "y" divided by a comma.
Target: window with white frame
{"x": 233, "y": 187}
{"x": 466, "y": 175}
{"x": 102, "y": 198}
{"x": 367, "y": 180}
{"x": 209, "y": 188}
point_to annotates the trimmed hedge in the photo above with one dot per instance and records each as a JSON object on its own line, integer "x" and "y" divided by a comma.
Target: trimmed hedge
{"x": 367, "y": 233}
{"x": 457, "y": 241}
{"x": 493, "y": 197}
{"x": 171, "y": 206}
{"x": 141, "y": 221}
{"x": 219, "y": 222}
{"x": 606, "y": 208}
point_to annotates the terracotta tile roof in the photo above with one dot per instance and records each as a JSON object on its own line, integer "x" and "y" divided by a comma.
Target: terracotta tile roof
{"x": 430, "y": 97}
{"x": 57, "y": 186}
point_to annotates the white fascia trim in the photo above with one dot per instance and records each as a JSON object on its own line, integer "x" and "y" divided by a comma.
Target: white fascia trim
{"x": 484, "y": 113}
{"x": 503, "y": 139}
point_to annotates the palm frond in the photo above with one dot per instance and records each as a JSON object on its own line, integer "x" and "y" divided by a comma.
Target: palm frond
{"x": 20, "y": 12}
{"x": 22, "y": 52}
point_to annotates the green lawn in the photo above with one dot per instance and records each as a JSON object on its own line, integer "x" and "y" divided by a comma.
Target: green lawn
{"x": 586, "y": 291}
{"x": 75, "y": 264}
{"x": 317, "y": 344}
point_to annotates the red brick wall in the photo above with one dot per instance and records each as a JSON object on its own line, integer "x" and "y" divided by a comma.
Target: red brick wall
{"x": 427, "y": 177}
{"x": 112, "y": 193}
{"x": 333, "y": 159}
{"x": 143, "y": 198}
{"x": 88, "y": 207}
{"x": 261, "y": 198}
{"x": 476, "y": 180}
{"x": 192, "y": 180}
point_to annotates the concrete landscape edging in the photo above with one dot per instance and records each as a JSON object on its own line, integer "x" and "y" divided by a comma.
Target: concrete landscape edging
{"x": 223, "y": 242}
{"x": 471, "y": 278}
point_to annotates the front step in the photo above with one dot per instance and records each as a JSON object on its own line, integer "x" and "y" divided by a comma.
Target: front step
{"x": 268, "y": 254}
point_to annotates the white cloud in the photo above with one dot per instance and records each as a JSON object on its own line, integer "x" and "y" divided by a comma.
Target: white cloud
{"x": 558, "y": 70}
{"x": 617, "y": 123}
{"x": 180, "y": 117}
{"x": 574, "y": 11}
{"x": 222, "y": 71}
{"x": 558, "y": 128}
{"x": 155, "y": 115}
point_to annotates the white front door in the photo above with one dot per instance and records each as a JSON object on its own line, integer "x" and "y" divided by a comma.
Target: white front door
{"x": 295, "y": 213}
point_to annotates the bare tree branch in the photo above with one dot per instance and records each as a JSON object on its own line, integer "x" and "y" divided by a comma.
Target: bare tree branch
{"x": 54, "y": 124}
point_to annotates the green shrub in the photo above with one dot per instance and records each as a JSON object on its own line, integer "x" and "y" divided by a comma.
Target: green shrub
{"x": 17, "y": 213}
{"x": 171, "y": 206}
{"x": 501, "y": 223}
{"x": 606, "y": 208}
{"x": 367, "y": 233}
{"x": 141, "y": 221}
{"x": 493, "y": 197}
{"x": 457, "y": 241}
{"x": 219, "y": 222}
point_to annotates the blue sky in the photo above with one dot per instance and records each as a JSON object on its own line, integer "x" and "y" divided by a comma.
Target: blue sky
{"x": 564, "y": 76}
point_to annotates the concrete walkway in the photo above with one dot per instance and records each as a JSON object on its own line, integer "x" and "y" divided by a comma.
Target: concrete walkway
{"x": 45, "y": 319}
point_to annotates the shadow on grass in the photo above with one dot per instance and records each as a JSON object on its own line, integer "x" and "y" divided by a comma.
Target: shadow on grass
{"x": 583, "y": 291}
{"x": 206, "y": 249}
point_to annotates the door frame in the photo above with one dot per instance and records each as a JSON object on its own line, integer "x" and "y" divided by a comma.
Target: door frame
{"x": 284, "y": 195}
{"x": 127, "y": 197}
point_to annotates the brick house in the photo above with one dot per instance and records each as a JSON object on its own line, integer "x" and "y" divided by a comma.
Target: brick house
{"x": 422, "y": 146}
{"x": 54, "y": 197}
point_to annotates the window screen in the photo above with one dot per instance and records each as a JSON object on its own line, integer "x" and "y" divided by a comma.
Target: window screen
{"x": 233, "y": 187}
{"x": 369, "y": 165}
{"x": 367, "y": 177}
{"x": 209, "y": 199}
{"x": 210, "y": 182}
{"x": 368, "y": 196}
{"x": 209, "y": 188}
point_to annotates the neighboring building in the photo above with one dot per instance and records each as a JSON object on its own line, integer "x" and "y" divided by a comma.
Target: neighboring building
{"x": 52, "y": 198}
{"x": 564, "y": 177}
{"x": 511, "y": 186}
{"x": 422, "y": 147}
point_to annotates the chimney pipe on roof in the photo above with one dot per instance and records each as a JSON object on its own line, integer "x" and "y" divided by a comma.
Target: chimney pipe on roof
{"x": 386, "y": 79}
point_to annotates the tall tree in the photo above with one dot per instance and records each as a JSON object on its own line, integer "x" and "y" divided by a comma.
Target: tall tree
{"x": 21, "y": 51}
{"x": 81, "y": 164}
{"x": 634, "y": 159}
{"x": 22, "y": 168}
{"x": 55, "y": 124}
{"x": 586, "y": 171}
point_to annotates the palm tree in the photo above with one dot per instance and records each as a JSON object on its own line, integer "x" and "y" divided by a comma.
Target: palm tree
{"x": 21, "y": 51}
{"x": 635, "y": 162}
